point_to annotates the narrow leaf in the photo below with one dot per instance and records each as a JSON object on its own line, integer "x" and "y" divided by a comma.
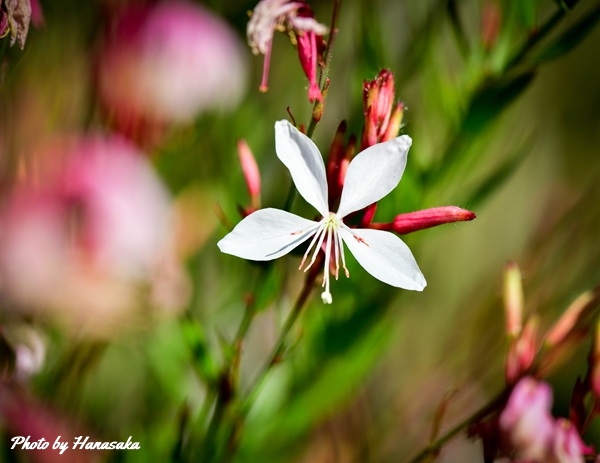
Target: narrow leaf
{"x": 570, "y": 38}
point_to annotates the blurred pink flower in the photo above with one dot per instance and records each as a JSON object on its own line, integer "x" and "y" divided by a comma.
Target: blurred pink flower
{"x": 37, "y": 15}
{"x": 527, "y": 421}
{"x": 169, "y": 62}
{"x": 85, "y": 242}
{"x": 568, "y": 446}
{"x": 533, "y": 434}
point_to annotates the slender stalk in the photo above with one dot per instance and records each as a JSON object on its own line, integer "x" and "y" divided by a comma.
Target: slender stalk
{"x": 332, "y": 36}
{"x": 279, "y": 348}
{"x": 534, "y": 39}
{"x": 435, "y": 446}
{"x": 211, "y": 451}
{"x": 245, "y": 323}
{"x": 328, "y": 54}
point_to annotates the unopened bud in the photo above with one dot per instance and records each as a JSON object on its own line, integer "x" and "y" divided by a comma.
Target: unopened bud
{"x": 250, "y": 171}
{"x": 307, "y": 52}
{"x": 349, "y": 152}
{"x": 490, "y": 24}
{"x": 395, "y": 123}
{"x": 570, "y": 323}
{"x": 334, "y": 160}
{"x": 521, "y": 351}
{"x": 368, "y": 215}
{"x": 513, "y": 299}
{"x": 378, "y": 102}
{"x": 426, "y": 218}
{"x": 378, "y": 96}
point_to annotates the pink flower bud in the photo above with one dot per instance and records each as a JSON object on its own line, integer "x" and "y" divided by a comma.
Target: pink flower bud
{"x": 250, "y": 171}
{"x": 570, "y": 330}
{"x": 521, "y": 351}
{"x": 378, "y": 103}
{"x": 369, "y": 214}
{"x": 526, "y": 421}
{"x": 513, "y": 299}
{"x": 426, "y": 218}
{"x": 168, "y": 62}
{"x": 334, "y": 162}
{"x": 37, "y": 15}
{"x": 308, "y": 53}
{"x": 491, "y": 20}
{"x": 570, "y": 322}
{"x": 395, "y": 123}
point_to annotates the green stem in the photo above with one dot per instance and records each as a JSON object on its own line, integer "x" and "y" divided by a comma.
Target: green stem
{"x": 249, "y": 313}
{"x": 281, "y": 343}
{"x": 434, "y": 447}
{"x": 312, "y": 125}
{"x": 211, "y": 451}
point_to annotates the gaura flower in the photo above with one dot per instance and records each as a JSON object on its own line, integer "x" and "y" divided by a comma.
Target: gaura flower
{"x": 271, "y": 233}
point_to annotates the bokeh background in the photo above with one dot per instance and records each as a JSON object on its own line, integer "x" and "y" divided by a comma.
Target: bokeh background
{"x": 515, "y": 142}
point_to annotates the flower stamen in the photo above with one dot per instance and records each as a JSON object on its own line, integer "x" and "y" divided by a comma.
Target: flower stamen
{"x": 341, "y": 246}
{"x": 320, "y": 234}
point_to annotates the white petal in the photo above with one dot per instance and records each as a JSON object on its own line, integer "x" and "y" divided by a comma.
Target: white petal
{"x": 304, "y": 161}
{"x": 385, "y": 256}
{"x": 373, "y": 173}
{"x": 267, "y": 234}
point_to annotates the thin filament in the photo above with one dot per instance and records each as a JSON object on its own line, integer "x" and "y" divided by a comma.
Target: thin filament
{"x": 341, "y": 246}
{"x": 321, "y": 234}
{"x": 312, "y": 243}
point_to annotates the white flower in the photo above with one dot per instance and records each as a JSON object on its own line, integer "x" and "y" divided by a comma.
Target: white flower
{"x": 271, "y": 233}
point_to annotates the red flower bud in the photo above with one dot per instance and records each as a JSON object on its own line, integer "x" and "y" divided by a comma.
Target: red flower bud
{"x": 250, "y": 171}
{"x": 426, "y": 218}
{"x": 394, "y": 123}
{"x": 491, "y": 19}
{"x": 307, "y": 52}
{"x": 521, "y": 352}
{"x": 378, "y": 105}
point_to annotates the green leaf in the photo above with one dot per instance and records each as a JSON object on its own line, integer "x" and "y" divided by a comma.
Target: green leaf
{"x": 492, "y": 98}
{"x": 499, "y": 176}
{"x": 268, "y": 287}
{"x": 570, "y": 38}
{"x": 486, "y": 105}
{"x": 338, "y": 358}
{"x": 195, "y": 338}
{"x": 526, "y": 11}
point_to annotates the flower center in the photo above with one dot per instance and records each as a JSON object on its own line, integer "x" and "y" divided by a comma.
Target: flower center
{"x": 327, "y": 235}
